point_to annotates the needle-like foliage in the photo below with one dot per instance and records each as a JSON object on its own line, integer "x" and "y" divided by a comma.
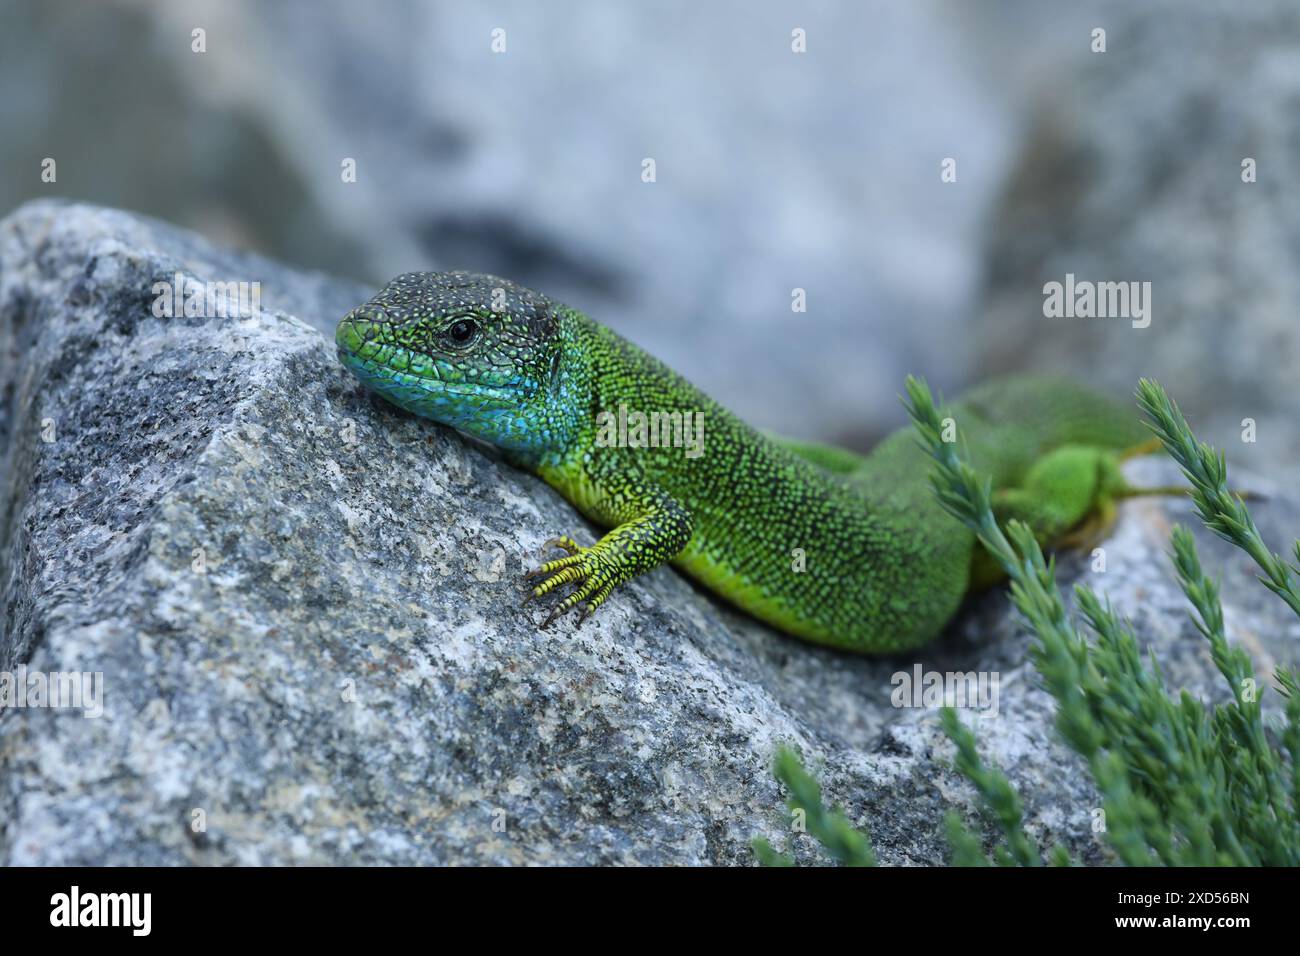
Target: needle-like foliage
{"x": 1180, "y": 783}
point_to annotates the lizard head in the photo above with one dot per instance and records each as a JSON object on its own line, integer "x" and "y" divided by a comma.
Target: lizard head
{"x": 476, "y": 352}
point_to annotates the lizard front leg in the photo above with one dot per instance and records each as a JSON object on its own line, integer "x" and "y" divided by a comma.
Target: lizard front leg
{"x": 651, "y": 529}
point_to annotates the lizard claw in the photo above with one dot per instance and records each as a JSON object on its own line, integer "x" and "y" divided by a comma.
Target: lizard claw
{"x": 586, "y": 568}
{"x": 555, "y": 612}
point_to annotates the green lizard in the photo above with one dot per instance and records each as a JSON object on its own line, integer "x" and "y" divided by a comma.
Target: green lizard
{"x": 840, "y": 549}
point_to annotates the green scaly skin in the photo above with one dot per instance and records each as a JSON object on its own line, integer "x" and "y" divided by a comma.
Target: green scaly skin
{"x": 845, "y": 550}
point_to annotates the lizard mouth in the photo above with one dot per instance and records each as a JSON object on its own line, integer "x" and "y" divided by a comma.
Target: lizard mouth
{"x": 410, "y": 380}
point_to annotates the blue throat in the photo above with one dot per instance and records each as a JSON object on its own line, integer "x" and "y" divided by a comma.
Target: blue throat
{"x": 496, "y": 414}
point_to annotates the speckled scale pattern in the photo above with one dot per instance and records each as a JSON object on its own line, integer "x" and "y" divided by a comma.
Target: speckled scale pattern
{"x": 865, "y": 561}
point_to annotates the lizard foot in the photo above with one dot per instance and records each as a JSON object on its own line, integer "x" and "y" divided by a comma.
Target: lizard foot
{"x": 587, "y": 568}
{"x": 1093, "y": 530}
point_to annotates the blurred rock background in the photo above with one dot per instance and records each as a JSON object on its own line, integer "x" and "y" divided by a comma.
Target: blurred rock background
{"x": 775, "y": 171}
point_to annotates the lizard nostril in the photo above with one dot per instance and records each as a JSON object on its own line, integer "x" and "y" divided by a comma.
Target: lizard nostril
{"x": 352, "y": 332}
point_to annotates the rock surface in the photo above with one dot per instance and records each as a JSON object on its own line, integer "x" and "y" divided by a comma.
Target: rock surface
{"x": 304, "y": 604}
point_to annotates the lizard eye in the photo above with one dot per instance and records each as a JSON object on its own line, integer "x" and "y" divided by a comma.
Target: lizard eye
{"x": 461, "y": 332}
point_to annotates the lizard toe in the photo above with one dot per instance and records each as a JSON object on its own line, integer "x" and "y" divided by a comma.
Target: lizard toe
{"x": 564, "y": 543}
{"x": 550, "y": 567}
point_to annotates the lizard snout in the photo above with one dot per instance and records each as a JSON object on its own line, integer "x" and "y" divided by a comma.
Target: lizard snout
{"x": 358, "y": 328}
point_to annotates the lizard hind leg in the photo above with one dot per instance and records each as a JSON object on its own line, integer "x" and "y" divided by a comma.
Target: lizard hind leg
{"x": 1067, "y": 498}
